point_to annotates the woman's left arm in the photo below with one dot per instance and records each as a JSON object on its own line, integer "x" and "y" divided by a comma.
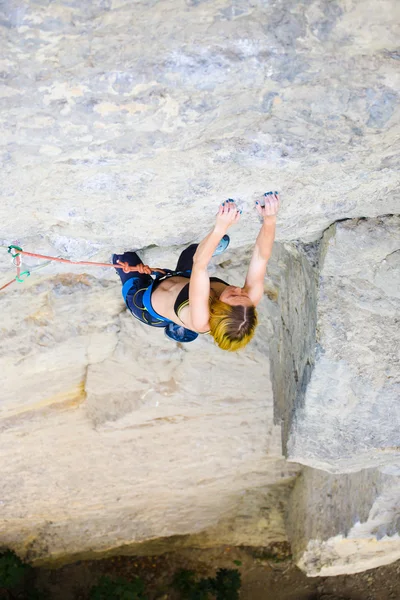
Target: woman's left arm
{"x": 254, "y": 284}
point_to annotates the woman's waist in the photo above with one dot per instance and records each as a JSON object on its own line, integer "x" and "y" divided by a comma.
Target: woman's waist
{"x": 170, "y": 281}
{"x": 164, "y": 295}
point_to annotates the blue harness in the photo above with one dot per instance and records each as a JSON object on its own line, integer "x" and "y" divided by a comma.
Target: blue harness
{"x": 146, "y": 299}
{"x": 175, "y": 332}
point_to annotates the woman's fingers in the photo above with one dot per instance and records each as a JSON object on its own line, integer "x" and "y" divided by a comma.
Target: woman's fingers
{"x": 233, "y": 211}
{"x": 228, "y": 207}
{"x": 272, "y": 205}
{"x": 228, "y": 213}
{"x": 269, "y": 205}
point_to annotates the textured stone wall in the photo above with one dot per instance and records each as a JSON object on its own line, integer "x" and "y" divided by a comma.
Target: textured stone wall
{"x": 113, "y": 435}
{"x": 125, "y": 122}
{"x": 348, "y": 418}
{"x": 355, "y": 386}
{"x": 122, "y": 125}
{"x": 291, "y": 288}
{"x": 345, "y": 523}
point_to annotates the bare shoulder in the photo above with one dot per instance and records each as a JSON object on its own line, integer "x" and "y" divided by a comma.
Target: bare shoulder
{"x": 185, "y": 317}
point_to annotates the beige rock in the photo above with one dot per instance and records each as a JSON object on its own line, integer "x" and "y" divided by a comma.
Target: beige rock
{"x": 344, "y": 523}
{"x": 123, "y": 126}
{"x": 291, "y": 289}
{"x": 113, "y": 435}
{"x": 180, "y": 112}
{"x": 351, "y": 413}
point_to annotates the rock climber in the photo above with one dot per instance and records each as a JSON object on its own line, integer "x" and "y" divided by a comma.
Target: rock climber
{"x": 186, "y": 301}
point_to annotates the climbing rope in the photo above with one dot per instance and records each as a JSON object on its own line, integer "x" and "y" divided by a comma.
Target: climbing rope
{"x": 16, "y": 253}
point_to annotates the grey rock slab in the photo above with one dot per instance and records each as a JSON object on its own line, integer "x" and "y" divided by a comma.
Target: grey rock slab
{"x": 291, "y": 290}
{"x": 354, "y": 389}
{"x": 126, "y": 123}
{"x": 122, "y": 126}
{"x": 343, "y": 524}
{"x": 114, "y": 436}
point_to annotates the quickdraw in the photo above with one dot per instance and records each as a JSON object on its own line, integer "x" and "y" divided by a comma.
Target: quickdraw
{"x": 17, "y": 252}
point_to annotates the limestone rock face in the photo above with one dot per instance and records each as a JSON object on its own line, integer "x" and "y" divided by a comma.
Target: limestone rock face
{"x": 291, "y": 288}
{"x": 126, "y": 122}
{"x": 113, "y": 435}
{"x": 351, "y": 414}
{"x": 345, "y": 523}
{"x": 123, "y": 125}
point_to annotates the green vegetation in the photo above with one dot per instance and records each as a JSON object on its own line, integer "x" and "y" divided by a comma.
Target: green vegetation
{"x": 224, "y": 586}
{"x": 12, "y": 570}
{"x": 118, "y": 589}
{"x": 16, "y": 578}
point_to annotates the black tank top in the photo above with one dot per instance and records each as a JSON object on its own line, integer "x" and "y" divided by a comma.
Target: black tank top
{"x": 182, "y": 298}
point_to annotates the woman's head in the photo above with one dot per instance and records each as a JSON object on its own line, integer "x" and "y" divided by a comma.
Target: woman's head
{"x": 232, "y": 325}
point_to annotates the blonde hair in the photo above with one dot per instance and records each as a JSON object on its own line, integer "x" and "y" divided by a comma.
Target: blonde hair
{"x": 232, "y": 327}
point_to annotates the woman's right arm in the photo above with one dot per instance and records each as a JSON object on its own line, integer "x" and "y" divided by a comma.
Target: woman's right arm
{"x": 199, "y": 285}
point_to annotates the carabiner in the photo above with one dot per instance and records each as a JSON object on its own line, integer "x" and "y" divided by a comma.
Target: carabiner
{"x": 13, "y": 247}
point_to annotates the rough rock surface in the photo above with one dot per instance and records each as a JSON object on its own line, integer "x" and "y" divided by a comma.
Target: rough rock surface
{"x": 291, "y": 287}
{"x": 113, "y": 435}
{"x": 351, "y": 414}
{"x": 123, "y": 125}
{"x": 125, "y": 122}
{"x": 345, "y": 523}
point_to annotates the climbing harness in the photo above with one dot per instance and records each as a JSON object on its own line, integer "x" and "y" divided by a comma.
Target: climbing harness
{"x": 17, "y": 252}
